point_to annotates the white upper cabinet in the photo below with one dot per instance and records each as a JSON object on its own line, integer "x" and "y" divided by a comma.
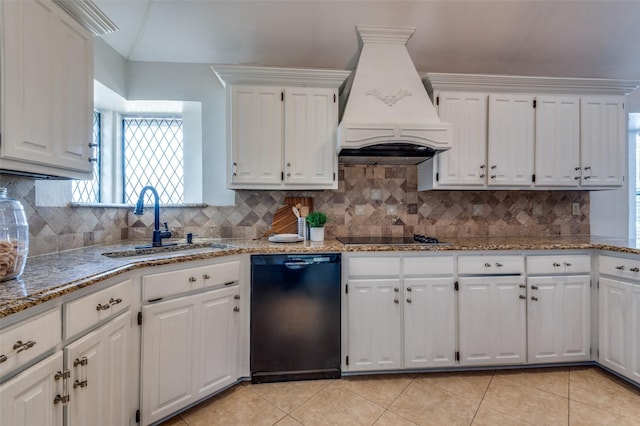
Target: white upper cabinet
{"x": 255, "y": 129}
{"x": 603, "y": 132}
{"x": 47, "y": 91}
{"x": 510, "y": 151}
{"x": 311, "y": 120}
{"x": 281, "y": 127}
{"x": 465, "y": 163}
{"x": 557, "y": 146}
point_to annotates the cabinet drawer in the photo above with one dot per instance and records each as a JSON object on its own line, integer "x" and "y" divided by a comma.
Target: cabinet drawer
{"x": 428, "y": 265}
{"x": 89, "y": 310}
{"x": 558, "y": 264}
{"x": 176, "y": 282}
{"x": 28, "y": 339}
{"x": 619, "y": 267}
{"x": 480, "y": 265}
{"x": 374, "y": 266}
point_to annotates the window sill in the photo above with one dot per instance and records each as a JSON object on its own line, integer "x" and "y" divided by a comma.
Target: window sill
{"x": 127, "y": 206}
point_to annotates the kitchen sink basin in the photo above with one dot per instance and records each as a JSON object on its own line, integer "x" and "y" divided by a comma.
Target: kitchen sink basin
{"x": 168, "y": 250}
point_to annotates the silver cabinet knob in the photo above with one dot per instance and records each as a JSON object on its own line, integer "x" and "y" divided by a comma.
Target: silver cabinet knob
{"x": 636, "y": 269}
{"x": 620, "y": 268}
{"x": 192, "y": 279}
{"x": 499, "y": 265}
{"x": 487, "y": 265}
{"x": 534, "y": 298}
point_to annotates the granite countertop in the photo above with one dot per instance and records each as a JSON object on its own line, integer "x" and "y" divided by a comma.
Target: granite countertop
{"x": 53, "y": 275}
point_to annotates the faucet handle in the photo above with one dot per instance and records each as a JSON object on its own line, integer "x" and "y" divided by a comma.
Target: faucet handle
{"x": 166, "y": 227}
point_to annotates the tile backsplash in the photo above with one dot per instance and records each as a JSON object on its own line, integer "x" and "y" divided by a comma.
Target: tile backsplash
{"x": 369, "y": 201}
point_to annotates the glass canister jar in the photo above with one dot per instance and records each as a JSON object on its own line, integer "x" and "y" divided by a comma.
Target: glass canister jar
{"x": 14, "y": 237}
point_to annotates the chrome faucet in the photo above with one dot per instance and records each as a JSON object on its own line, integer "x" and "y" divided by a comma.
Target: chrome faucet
{"x": 158, "y": 235}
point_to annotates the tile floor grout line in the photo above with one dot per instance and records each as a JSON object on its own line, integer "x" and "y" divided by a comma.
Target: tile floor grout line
{"x": 482, "y": 399}
{"x": 415, "y": 375}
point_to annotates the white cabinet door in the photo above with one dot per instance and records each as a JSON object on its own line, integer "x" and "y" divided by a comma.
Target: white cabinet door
{"x": 557, "y": 141}
{"x": 465, "y": 163}
{"x": 511, "y": 132}
{"x": 99, "y": 375}
{"x": 603, "y": 141}
{"x": 614, "y": 324}
{"x": 47, "y": 91}
{"x": 168, "y": 351}
{"x": 255, "y": 135}
{"x": 429, "y": 322}
{"x": 218, "y": 335}
{"x": 375, "y": 324}
{"x": 558, "y": 319}
{"x": 492, "y": 324}
{"x": 311, "y": 119}
{"x": 28, "y": 398}
{"x": 634, "y": 334}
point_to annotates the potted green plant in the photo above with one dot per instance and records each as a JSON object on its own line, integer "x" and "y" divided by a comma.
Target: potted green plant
{"x": 316, "y": 220}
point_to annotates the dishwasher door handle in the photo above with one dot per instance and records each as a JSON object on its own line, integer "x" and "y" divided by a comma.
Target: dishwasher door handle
{"x": 298, "y": 264}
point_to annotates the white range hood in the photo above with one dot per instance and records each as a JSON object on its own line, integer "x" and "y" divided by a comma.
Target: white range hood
{"x": 388, "y": 117}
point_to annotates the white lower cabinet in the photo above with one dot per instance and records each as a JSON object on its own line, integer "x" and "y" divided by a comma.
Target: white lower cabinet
{"x": 98, "y": 364}
{"x": 402, "y": 320}
{"x": 375, "y": 324}
{"x": 30, "y": 397}
{"x": 492, "y": 320}
{"x": 189, "y": 350}
{"x": 559, "y": 325}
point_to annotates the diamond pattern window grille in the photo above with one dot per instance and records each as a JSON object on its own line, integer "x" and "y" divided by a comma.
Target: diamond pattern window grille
{"x": 88, "y": 191}
{"x": 153, "y": 155}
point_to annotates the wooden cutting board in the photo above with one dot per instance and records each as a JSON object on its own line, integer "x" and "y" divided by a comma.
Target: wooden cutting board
{"x": 284, "y": 220}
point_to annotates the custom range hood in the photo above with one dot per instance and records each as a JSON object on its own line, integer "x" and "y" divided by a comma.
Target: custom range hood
{"x": 388, "y": 117}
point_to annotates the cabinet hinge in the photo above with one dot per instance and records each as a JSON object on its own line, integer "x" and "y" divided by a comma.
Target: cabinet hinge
{"x": 139, "y": 318}
{"x": 334, "y": 176}
{"x": 598, "y": 284}
{"x": 457, "y": 356}
{"x": 334, "y": 98}
{"x": 590, "y": 351}
{"x": 281, "y": 175}
{"x": 456, "y": 286}
{"x": 598, "y": 353}
{"x": 346, "y": 288}
{"x": 347, "y": 360}
{"x": 282, "y": 96}
{"x": 437, "y": 176}
{"x": 533, "y": 178}
{"x": 535, "y": 103}
{"x": 590, "y": 283}
{"x": 437, "y": 100}
{"x": 137, "y": 416}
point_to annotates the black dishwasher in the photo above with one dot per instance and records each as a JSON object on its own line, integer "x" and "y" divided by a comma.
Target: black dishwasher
{"x": 295, "y": 317}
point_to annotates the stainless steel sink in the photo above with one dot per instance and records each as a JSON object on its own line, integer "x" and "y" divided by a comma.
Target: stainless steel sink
{"x": 168, "y": 250}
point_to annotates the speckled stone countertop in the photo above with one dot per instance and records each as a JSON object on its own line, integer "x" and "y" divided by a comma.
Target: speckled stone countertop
{"x": 53, "y": 275}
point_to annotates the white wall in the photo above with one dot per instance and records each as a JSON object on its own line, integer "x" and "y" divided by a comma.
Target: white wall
{"x": 177, "y": 82}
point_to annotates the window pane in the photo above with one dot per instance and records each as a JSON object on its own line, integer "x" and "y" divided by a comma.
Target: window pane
{"x": 153, "y": 155}
{"x": 88, "y": 191}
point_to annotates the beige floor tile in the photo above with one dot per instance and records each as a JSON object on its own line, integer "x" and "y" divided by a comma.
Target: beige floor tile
{"x": 428, "y": 405}
{"x": 334, "y": 405}
{"x": 604, "y": 394}
{"x": 488, "y": 417}
{"x": 176, "y": 421}
{"x": 382, "y": 390}
{"x": 392, "y": 419}
{"x": 468, "y": 384}
{"x": 288, "y": 421}
{"x": 553, "y": 380}
{"x": 594, "y": 376}
{"x": 586, "y": 415}
{"x": 525, "y": 403}
{"x": 239, "y": 406}
{"x": 288, "y": 396}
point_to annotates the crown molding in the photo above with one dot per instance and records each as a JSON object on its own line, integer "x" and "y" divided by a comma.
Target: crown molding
{"x": 245, "y": 74}
{"x": 387, "y": 35}
{"x": 528, "y": 84}
{"x": 88, "y": 15}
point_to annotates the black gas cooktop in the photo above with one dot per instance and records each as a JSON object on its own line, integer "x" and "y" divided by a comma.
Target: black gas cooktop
{"x": 416, "y": 239}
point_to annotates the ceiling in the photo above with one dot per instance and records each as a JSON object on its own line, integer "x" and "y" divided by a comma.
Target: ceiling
{"x": 518, "y": 37}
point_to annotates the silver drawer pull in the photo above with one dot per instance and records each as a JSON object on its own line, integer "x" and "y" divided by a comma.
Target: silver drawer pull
{"x": 556, "y": 264}
{"x": 499, "y": 265}
{"x": 567, "y": 264}
{"x": 101, "y": 307}
{"x": 636, "y": 269}
{"x": 522, "y": 286}
{"x": 396, "y": 289}
{"x": 620, "y": 268}
{"x": 79, "y": 383}
{"x": 534, "y": 298}
{"x": 522, "y": 297}
{"x": 19, "y": 346}
{"x": 487, "y": 265}
{"x": 192, "y": 279}
{"x": 236, "y": 309}
{"x": 113, "y": 301}
{"x": 206, "y": 276}
{"x": 236, "y": 297}
{"x": 396, "y": 300}
{"x": 3, "y": 358}
{"x": 408, "y": 300}
{"x": 82, "y": 361}
{"x": 534, "y": 287}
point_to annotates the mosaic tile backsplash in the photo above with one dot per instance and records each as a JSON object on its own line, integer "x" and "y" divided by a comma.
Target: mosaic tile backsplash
{"x": 369, "y": 201}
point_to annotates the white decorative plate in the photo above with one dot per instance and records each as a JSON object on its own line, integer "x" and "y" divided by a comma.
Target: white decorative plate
{"x": 285, "y": 238}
